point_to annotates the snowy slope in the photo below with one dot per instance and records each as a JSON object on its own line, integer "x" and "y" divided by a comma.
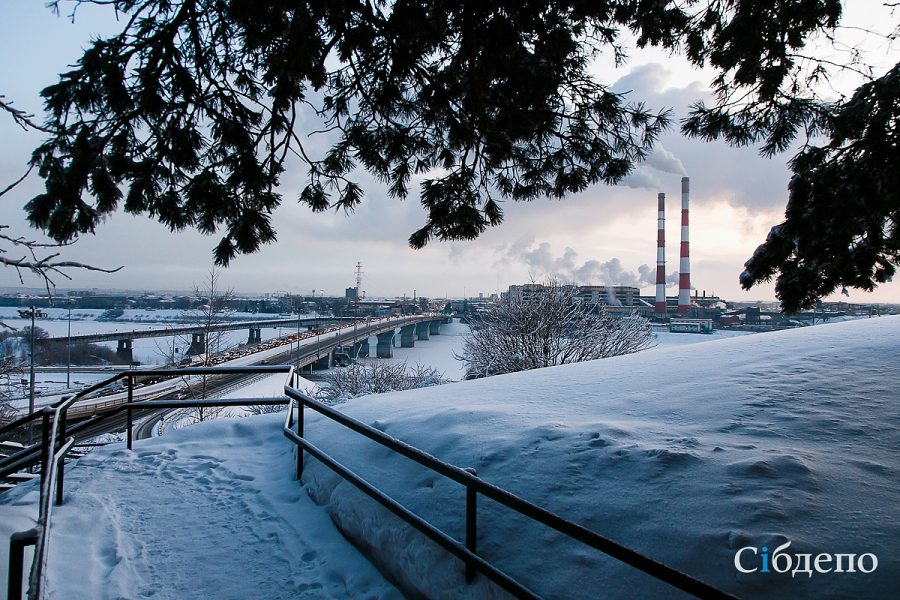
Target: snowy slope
{"x": 685, "y": 453}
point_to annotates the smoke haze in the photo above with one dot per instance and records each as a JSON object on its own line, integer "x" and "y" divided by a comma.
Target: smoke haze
{"x": 543, "y": 262}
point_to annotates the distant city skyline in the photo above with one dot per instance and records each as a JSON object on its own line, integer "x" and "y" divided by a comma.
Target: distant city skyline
{"x": 603, "y": 236}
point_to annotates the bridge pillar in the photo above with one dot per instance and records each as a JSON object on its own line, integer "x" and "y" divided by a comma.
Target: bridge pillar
{"x": 123, "y": 352}
{"x": 385, "y": 345}
{"x": 340, "y": 356}
{"x": 255, "y": 336}
{"x": 323, "y": 363}
{"x": 407, "y": 336}
{"x": 422, "y": 331}
{"x": 361, "y": 349}
{"x": 434, "y": 327}
{"x": 198, "y": 343}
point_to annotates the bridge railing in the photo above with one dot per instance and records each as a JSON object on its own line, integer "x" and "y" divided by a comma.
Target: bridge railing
{"x": 57, "y": 440}
{"x": 467, "y": 551}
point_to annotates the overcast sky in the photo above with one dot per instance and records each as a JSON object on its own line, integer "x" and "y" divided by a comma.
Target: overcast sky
{"x": 606, "y": 235}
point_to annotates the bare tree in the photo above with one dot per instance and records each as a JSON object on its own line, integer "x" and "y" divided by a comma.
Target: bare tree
{"x": 264, "y": 409}
{"x": 378, "y": 377}
{"x": 213, "y": 300}
{"x": 551, "y": 327}
{"x": 10, "y": 373}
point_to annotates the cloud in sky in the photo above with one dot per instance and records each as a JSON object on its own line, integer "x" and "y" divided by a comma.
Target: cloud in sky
{"x": 612, "y": 226}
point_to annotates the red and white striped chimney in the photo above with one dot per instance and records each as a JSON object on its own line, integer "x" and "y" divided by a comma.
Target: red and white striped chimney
{"x": 660, "y": 306}
{"x": 684, "y": 272}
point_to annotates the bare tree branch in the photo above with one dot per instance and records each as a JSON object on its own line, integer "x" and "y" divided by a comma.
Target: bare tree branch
{"x": 17, "y": 181}
{"x": 44, "y": 267}
{"x": 22, "y": 118}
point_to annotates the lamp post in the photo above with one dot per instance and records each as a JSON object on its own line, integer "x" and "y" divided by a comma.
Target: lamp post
{"x": 69, "y": 302}
{"x": 31, "y": 380}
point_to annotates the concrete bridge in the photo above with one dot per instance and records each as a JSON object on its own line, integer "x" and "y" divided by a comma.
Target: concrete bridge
{"x": 197, "y": 332}
{"x": 354, "y": 343}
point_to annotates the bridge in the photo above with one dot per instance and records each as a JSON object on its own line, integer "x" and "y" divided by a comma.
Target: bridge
{"x": 198, "y": 333}
{"x": 319, "y": 349}
{"x": 354, "y": 343}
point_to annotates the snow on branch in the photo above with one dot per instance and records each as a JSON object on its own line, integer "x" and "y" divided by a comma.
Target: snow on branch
{"x": 46, "y": 267}
{"x": 360, "y": 379}
{"x": 551, "y": 327}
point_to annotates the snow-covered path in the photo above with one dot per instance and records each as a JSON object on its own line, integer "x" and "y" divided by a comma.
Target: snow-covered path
{"x": 208, "y": 512}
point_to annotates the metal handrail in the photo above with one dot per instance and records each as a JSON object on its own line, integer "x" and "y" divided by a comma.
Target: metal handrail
{"x": 27, "y": 456}
{"x": 37, "y": 414}
{"x": 474, "y": 485}
{"x": 55, "y": 445}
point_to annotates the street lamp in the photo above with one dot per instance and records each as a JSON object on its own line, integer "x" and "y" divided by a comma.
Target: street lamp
{"x": 298, "y": 336}
{"x": 32, "y": 312}
{"x": 69, "y": 302}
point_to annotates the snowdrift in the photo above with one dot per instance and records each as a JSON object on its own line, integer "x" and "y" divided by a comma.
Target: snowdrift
{"x": 686, "y": 454}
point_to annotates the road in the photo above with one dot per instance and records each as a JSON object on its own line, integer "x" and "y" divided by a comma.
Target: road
{"x": 315, "y": 346}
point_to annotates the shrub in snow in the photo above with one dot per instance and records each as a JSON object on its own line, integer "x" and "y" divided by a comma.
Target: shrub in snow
{"x": 547, "y": 329}
{"x": 361, "y": 379}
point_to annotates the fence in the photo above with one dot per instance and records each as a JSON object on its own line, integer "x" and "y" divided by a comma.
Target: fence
{"x": 474, "y": 486}
{"x": 55, "y": 443}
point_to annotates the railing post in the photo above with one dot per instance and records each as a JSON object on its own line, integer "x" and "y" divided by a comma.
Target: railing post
{"x": 128, "y": 410}
{"x": 300, "y": 434}
{"x": 45, "y": 443}
{"x": 17, "y": 543}
{"x": 61, "y": 468}
{"x": 471, "y": 524}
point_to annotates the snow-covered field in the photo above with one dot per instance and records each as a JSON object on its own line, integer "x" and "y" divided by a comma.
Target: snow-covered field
{"x": 687, "y": 453}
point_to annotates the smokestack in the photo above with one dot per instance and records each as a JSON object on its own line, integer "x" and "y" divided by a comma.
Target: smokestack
{"x": 660, "y": 306}
{"x": 684, "y": 272}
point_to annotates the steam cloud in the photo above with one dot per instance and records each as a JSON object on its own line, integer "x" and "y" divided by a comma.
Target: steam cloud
{"x": 542, "y": 262}
{"x": 644, "y": 176}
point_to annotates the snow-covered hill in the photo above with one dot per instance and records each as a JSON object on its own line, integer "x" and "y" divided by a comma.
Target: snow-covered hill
{"x": 686, "y": 454}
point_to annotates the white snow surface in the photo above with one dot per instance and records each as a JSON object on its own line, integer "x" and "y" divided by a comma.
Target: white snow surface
{"x": 211, "y": 511}
{"x": 686, "y": 454}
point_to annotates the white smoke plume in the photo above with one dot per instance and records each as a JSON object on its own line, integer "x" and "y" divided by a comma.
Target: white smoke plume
{"x": 644, "y": 175}
{"x": 642, "y": 178}
{"x": 663, "y": 160}
{"x": 543, "y": 262}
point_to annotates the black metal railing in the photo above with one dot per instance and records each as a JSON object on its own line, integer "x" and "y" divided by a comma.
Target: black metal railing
{"x": 57, "y": 440}
{"x": 467, "y": 551}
